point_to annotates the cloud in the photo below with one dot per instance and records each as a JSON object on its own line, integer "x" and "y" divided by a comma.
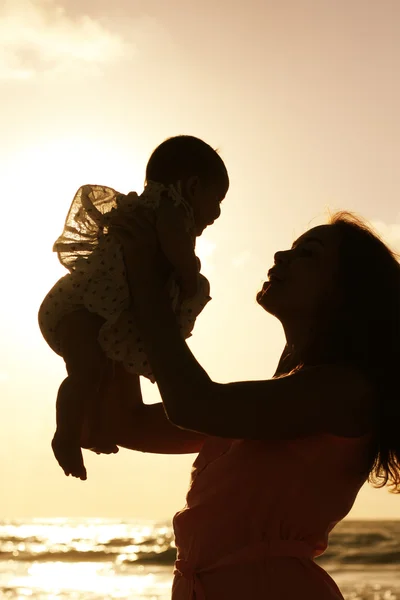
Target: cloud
{"x": 241, "y": 259}
{"x": 38, "y": 36}
{"x": 390, "y": 233}
{"x": 204, "y": 250}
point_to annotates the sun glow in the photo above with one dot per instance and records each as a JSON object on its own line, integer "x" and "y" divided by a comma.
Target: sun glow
{"x": 39, "y": 186}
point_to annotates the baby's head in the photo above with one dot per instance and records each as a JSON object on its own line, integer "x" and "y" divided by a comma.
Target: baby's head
{"x": 199, "y": 169}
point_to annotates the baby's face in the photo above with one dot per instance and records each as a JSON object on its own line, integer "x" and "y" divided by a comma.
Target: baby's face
{"x": 206, "y": 202}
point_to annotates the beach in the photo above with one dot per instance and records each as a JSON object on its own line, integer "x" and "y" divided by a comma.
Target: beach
{"x": 94, "y": 559}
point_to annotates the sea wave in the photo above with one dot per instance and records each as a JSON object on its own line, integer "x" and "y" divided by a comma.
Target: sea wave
{"x": 163, "y": 557}
{"x": 351, "y": 543}
{"x": 91, "y": 559}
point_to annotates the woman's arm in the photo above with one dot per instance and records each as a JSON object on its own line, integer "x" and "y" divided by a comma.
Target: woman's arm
{"x": 138, "y": 426}
{"x": 324, "y": 399}
{"x": 143, "y": 427}
{"x": 147, "y": 429}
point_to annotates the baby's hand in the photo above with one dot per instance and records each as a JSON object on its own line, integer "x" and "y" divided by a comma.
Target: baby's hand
{"x": 188, "y": 284}
{"x": 177, "y": 245}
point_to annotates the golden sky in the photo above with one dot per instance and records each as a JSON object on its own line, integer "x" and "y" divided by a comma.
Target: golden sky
{"x": 300, "y": 96}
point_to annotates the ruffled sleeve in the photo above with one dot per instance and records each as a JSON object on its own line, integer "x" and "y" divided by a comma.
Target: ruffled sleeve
{"x": 87, "y": 220}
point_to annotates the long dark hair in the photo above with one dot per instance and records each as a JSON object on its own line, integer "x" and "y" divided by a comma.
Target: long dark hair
{"x": 364, "y": 332}
{"x": 367, "y": 332}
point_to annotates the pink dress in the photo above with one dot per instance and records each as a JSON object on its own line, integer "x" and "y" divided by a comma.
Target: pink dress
{"x": 258, "y": 512}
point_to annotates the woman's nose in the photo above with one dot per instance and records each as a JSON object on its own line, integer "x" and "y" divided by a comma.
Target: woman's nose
{"x": 281, "y": 256}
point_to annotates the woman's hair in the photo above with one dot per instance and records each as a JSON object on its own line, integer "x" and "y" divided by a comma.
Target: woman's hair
{"x": 184, "y": 156}
{"x": 366, "y": 332}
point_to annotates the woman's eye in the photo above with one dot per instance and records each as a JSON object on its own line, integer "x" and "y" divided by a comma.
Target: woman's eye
{"x": 307, "y": 252}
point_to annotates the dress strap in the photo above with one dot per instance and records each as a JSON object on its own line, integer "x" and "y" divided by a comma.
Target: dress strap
{"x": 249, "y": 554}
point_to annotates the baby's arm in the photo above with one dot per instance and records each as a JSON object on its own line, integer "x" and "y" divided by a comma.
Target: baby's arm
{"x": 177, "y": 246}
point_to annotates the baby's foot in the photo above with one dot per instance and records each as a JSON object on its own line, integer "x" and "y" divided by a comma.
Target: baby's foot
{"x": 69, "y": 455}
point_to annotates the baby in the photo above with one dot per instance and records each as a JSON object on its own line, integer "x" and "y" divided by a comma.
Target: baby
{"x": 86, "y": 317}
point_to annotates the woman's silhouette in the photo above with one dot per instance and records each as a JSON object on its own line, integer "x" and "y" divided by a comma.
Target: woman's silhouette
{"x": 281, "y": 460}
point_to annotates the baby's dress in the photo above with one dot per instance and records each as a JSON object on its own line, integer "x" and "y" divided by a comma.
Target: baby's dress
{"x": 97, "y": 279}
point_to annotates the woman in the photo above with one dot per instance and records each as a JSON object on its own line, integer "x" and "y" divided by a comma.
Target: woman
{"x": 280, "y": 461}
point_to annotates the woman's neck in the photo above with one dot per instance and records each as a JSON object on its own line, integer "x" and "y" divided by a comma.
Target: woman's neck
{"x": 299, "y": 334}
{"x": 304, "y": 345}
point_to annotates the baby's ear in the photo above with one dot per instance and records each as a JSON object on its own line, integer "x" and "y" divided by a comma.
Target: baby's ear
{"x": 191, "y": 186}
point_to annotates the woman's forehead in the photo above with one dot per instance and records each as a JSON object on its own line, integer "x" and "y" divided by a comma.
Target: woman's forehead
{"x": 326, "y": 235}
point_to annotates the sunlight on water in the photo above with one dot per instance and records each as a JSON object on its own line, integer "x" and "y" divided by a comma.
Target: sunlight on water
{"x": 96, "y": 559}
{"x": 90, "y": 580}
{"x": 90, "y": 577}
{"x": 368, "y": 588}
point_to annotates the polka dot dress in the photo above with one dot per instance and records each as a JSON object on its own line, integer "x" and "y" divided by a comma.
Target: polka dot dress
{"x": 97, "y": 279}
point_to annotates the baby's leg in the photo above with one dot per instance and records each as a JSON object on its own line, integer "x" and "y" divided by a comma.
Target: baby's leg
{"x": 87, "y": 367}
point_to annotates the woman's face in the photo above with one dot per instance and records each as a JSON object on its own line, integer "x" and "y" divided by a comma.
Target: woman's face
{"x": 302, "y": 282}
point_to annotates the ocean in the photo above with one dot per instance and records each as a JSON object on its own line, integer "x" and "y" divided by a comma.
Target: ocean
{"x": 101, "y": 559}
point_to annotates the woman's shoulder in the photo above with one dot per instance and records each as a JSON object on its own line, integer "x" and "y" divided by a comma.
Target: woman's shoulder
{"x": 352, "y": 398}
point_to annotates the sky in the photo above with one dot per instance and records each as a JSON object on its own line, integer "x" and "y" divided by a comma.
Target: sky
{"x": 300, "y": 97}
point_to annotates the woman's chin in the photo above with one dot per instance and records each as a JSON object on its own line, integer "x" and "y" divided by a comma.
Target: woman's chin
{"x": 267, "y": 300}
{"x": 262, "y": 299}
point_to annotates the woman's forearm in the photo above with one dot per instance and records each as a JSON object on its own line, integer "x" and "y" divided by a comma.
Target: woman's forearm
{"x": 182, "y": 382}
{"x": 143, "y": 427}
{"x": 147, "y": 429}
